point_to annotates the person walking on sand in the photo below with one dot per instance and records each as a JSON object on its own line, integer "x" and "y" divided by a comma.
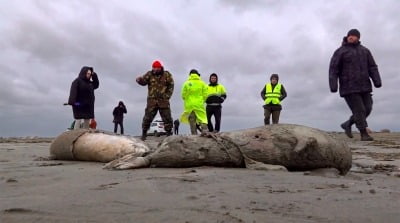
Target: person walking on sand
{"x": 353, "y": 66}
{"x": 118, "y": 114}
{"x": 176, "y": 127}
{"x": 82, "y": 98}
{"x": 273, "y": 94}
{"x": 216, "y": 95}
{"x": 160, "y": 85}
{"x": 194, "y": 94}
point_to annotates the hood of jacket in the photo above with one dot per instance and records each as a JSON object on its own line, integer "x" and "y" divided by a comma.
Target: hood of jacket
{"x": 194, "y": 76}
{"x": 84, "y": 70}
{"x": 213, "y": 84}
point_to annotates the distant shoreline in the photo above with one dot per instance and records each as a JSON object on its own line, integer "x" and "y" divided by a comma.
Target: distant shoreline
{"x": 27, "y": 139}
{"x": 42, "y": 139}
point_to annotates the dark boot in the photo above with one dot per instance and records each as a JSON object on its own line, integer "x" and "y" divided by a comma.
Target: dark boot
{"x": 365, "y": 136}
{"x": 347, "y": 128}
{"x": 144, "y": 135}
{"x": 204, "y": 129}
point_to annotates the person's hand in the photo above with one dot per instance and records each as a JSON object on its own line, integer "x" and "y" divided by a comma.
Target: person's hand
{"x": 77, "y": 104}
{"x": 378, "y": 85}
{"x": 138, "y": 79}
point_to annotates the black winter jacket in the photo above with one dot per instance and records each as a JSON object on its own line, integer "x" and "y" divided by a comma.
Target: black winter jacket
{"x": 82, "y": 91}
{"x": 353, "y": 65}
{"x": 118, "y": 113}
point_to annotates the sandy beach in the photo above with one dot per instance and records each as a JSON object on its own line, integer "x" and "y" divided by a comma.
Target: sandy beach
{"x": 34, "y": 189}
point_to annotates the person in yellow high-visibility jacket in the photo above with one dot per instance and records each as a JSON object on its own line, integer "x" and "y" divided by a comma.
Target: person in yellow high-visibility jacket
{"x": 272, "y": 94}
{"x": 194, "y": 94}
{"x": 215, "y": 97}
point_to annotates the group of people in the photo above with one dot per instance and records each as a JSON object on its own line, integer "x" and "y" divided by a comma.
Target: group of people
{"x": 195, "y": 93}
{"x": 352, "y": 65}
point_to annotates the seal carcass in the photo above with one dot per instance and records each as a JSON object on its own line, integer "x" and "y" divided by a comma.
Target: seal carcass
{"x": 95, "y": 145}
{"x": 295, "y": 147}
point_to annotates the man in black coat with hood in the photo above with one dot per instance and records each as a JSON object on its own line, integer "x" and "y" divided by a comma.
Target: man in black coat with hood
{"x": 81, "y": 96}
{"x": 118, "y": 114}
{"x": 353, "y": 65}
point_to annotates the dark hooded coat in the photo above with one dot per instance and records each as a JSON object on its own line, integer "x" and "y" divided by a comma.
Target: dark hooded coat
{"x": 118, "y": 112}
{"x": 354, "y": 66}
{"x": 82, "y": 91}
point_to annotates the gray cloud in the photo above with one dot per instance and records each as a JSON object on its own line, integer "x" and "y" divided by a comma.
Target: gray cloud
{"x": 44, "y": 44}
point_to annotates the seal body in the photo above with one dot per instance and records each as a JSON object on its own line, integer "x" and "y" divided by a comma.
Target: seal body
{"x": 94, "y": 145}
{"x": 295, "y": 147}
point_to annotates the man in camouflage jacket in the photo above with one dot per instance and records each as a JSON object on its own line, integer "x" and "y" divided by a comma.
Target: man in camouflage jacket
{"x": 160, "y": 86}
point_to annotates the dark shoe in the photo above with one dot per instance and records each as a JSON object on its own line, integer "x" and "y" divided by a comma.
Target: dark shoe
{"x": 365, "y": 136}
{"x": 347, "y": 129}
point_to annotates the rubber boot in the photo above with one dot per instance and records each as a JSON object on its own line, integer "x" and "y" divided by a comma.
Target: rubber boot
{"x": 144, "y": 135}
{"x": 347, "y": 128}
{"x": 365, "y": 136}
{"x": 192, "y": 123}
{"x": 204, "y": 129}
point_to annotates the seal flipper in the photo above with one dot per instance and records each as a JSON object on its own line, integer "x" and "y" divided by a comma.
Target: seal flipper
{"x": 305, "y": 143}
{"x": 255, "y": 165}
{"x": 127, "y": 162}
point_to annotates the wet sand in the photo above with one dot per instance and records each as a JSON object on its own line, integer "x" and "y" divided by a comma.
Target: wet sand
{"x": 33, "y": 189}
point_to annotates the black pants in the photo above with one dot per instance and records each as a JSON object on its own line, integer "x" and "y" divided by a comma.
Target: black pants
{"x": 361, "y": 106}
{"x": 120, "y": 125}
{"x": 176, "y": 130}
{"x": 216, "y": 111}
{"x": 275, "y": 116}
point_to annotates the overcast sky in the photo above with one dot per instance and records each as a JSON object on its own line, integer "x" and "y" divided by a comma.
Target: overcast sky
{"x": 44, "y": 44}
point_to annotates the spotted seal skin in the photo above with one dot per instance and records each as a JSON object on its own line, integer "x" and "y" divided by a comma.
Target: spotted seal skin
{"x": 294, "y": 147}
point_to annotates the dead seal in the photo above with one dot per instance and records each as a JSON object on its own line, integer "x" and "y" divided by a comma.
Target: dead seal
{"x": 295, "y": 147}
{"x": 95, "y": 145}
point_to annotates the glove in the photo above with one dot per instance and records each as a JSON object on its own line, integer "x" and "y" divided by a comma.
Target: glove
{"x": 77, "y": 104}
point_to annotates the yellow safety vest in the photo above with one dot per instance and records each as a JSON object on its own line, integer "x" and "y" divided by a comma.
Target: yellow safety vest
{"x": 273, "y": 96}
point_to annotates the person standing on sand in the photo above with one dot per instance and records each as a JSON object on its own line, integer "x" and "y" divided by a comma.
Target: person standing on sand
{"x": 81, "y": 96}
{"x": 160, "y": 86}
{"x": 176, "y": 127}
{"x": 353, "y": 65}
{"x": 118, "y": 114}
{"x": 272, "y": 94}
{"x": 194, "y": 94}
{"x": 216, "y": 95}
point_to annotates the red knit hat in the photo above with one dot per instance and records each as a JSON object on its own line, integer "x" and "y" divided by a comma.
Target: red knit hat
{"x": 157, "y": 64}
